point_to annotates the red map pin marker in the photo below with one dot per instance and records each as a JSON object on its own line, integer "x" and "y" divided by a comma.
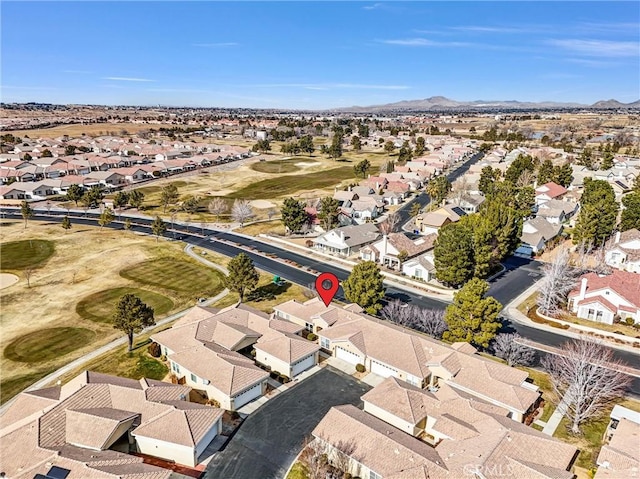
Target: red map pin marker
{"x": 327, "y": 285}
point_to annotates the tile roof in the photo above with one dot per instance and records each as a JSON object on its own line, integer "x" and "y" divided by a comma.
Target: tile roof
{"x": 551, "y": 189}
{"x": 181, "y": 426}
{"x": 287, "y": 347}
{"x": 370, "y": 436}
{"x": 94, "y": 428}
{"x": 401, "y": 399}
{"x": 624, "y": 283}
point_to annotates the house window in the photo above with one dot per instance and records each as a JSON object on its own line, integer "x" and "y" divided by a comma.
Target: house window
{"x": 194, "y": 378}
{"x": 308, "y": 327}
{"x": 325, "y": 343}
{"x": 175, "y": 367}
{"x": 590, "y": 314}
{"x": 418, "y": 273}
{"x": 599, "y": 316}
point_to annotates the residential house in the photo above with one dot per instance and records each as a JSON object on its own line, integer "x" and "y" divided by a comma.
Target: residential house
{"x": 388, "y": 350}
{"x": 619, "y": 458}
{"x": 12, "y": 192}
{"x": 536, "y": 233}
{"x": 89, "y": 425}
{"x": 431, "y": 222}
{"x": 624, "y": 254}
{"x": 363, "y": 210}
{"x": 387, "y": 250}
{"x": 208, "y": 350}
{"x": 557, "y": 211}
{"x": 549, "y": 191}
{"x": 108, "y": 178}
{"x": 313, "y": 315}
{"x": 347, "y": 240}
{"x": 406, "y": 432}
{"x": 132, "y": 174}
{"x": 601, "y": 298}
{"x": 421, "y": 267}
{"x": 469, "y": 203}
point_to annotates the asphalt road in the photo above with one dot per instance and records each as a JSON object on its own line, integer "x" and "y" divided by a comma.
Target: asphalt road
{"x": 423, "y": 199}
{"x": 520, "y": 274}
{"x": 270, "y": 439}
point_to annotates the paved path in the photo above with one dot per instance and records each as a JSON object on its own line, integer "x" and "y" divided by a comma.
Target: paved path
{"x": 554, "y": 421}
{"x": 120, "y": 341}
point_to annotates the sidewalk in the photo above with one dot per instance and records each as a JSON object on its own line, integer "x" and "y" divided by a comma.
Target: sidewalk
{"x": 554, "y": 421}
{"x": 576, "y": 331}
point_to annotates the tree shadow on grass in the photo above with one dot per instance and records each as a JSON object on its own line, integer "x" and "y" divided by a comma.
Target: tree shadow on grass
{"x": 267, "y": 292}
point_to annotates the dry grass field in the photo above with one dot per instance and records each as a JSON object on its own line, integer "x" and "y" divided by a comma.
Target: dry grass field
{"x": 93, "y": 129}
{"x": 64, "y": 313}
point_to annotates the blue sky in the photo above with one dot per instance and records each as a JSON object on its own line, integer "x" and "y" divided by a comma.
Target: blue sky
{"x": 317, "y": 54}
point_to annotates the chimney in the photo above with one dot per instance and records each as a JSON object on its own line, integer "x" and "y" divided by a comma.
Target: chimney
{"x": 617, "y": 237}
{"x": 583, "y": 288}
{"x": 342, "y": 236}
{"x": 384, "y": 244}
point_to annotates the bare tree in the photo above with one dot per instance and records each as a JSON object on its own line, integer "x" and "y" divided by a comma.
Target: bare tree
{"x": 314, "y": 456}
{"x": 241, "y": 211}
{"x": 460, "y": 189}
{"x": 217, "y": 206}
{"x": 28, "y": 272}
{"x": 587, "y": 378}
{"x": 507, "y": 347}
{"x": 526, "y": 178}
{"x": 426, "y": 321}
{"x": 390, "y": 224}
{"x": 342, "y": 455}
{"x": 559, "y": 279}
{"x": 429, "y": 321}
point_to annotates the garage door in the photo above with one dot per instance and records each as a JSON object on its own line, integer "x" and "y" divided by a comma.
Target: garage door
{"x": 382, "y": 369}
{"x": 250, "y": 394}
{"x": 303, "y": 365}
{"x": 347, "y": 356}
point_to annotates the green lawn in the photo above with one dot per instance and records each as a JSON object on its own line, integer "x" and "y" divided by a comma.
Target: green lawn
{"x": 100, "y": 306}
{"x": 298, "y": 471}
{"x": 276, "y": 187}
{"x": 276, "y": 166}
{"x": 17, "y": 384}
{"x": 589, "y": 442}
{"x": 25, "y": 254}
{"x": 46, "y": 344}
{"x": 179, "y": 276}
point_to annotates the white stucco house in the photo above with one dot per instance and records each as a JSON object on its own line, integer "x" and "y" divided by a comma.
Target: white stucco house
{"x": 601, "y": 298}
{"x": 624, "y": 254}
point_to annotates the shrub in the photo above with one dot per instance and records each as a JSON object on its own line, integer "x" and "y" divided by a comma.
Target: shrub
{"x": 154, "y": 350}
{"x": 360, "y": 368}
{"x": 285, "y": 379}
{"x": 629, "y": 321}
{"x": 213, "y": 402}
{"x": 253, "y": 353}
{"x": 312, "y": 336}
{"x": 163, "y": 358}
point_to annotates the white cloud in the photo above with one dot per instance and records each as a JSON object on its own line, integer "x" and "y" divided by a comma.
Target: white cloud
{"x": 83, "y": 72}
{"x": 481, "y": 29}
{"x": 598, "y": 48}
{"x": 590, "y": 63}
{"x": 216, "y": 45}
{"x": 375, "y": 6}
{"x": 128, "y": 79}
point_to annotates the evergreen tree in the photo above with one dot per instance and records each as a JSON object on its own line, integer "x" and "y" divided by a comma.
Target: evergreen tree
{"x": 389, "y": 147}
{"x": 26, "y": 211}
{"x": 362, "y": 168}
{"x": 169, "y": 195}
{"x": 329, "y": 212}
{"x": 631, "y": 213}
{"x": 563, "y": 175}
{"x": 136, "y": 198}
{"x": 306, "y": 144}
{"x": 335, "y": 150}
{"x": 405, "y": 154}
{"x": 106, "y": 217}
{"x": 518, "y": 166}
{"x": 607, "y": 161}
{"x": 364, "y": 286}
{"x": 158, "y": 227}
{"x": 131, "y": 316}
{"x": 74, "y": 193}
{"x": 420, "y": 146}
{"x": 355, "y": 143}
{"x": 472, "y": 317}
{"x": 92, "y": 197}
{"x": 243, "y": 276}
{"x": 598, "y": 213}
{"x": 488, "y": 179}
{"x": 66, "y": 223}
{"x": 545, "y": 172}
{"x": 120, "y": 200}
{"x": 191, "y": 204}
{"x": 294, "y": 216}
{"x": 453, "y": 254}
{"x": 438, "y": 189}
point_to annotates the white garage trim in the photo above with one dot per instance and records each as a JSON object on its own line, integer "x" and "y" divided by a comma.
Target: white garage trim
{"x": 303, "y": 364}
{"x": 348, "y": 356}
{"x": 244, "y": 397}
{"x": 382, "y": 369}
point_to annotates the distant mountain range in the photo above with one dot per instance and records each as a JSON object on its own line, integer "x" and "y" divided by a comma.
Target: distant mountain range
{"x": 442, "y": 103}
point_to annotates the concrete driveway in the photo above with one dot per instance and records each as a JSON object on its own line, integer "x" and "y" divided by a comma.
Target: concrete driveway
{"x": 270, "y": 439}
